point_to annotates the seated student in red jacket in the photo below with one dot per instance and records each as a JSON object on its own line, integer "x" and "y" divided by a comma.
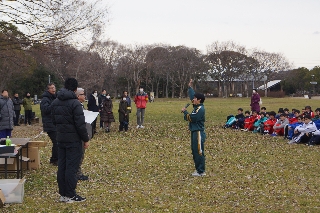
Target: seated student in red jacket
{"x": 294, "y": 119}
{"x": 308, "y": 111}
{"x": 248, "y": 123}
{"x": 268, "y": 125}
{"x": 278, "y": 128}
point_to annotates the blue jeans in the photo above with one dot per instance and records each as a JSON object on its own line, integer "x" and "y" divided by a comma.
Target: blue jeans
{"x": 4, "y": 133}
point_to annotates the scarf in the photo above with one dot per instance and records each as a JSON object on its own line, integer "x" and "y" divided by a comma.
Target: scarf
{"x": 97, "y": 101}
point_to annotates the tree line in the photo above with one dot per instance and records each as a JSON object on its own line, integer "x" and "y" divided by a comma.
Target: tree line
{"x": 27, "y": 58}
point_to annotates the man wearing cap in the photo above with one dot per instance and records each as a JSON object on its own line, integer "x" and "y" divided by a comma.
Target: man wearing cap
{"x": 141, "y": 100}
{"x": 196, "y": 125}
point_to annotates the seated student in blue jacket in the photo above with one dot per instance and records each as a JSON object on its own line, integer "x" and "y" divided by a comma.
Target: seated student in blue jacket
{"x": 231, "y": 119}
{"x": 303, "y": 133}
{"x": 289, "y": 129}
{"x": 239, "y": 124}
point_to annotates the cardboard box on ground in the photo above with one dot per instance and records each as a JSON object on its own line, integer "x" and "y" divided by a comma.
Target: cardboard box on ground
{"x": 2, "y": 199}
{"x": 32, "y": 157}
{"x": 33, "y": 154}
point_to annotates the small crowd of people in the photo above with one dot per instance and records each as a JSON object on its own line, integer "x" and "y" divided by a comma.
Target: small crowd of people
{"x": 104, "y": 105}
{"x": 296, "y": 126}
{"x": 64, "y": 122}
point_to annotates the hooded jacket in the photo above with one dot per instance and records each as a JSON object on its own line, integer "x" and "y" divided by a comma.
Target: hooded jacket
{"x": 141, "y": 100}
{"x": 67, "y": 115}
{"x": 45, "y": 107}
{"x": 6, "y": 113}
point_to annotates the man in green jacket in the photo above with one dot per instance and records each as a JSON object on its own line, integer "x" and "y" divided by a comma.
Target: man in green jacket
{"x": 27, "y": 105}
{"x": 196, "y": 126}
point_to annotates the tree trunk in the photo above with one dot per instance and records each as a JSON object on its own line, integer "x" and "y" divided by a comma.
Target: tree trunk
{"x": 246, "y": 88}
{"x": 157, "y": 90}
{"x": 167, "y": 85}
{"x": 172, "y": 96}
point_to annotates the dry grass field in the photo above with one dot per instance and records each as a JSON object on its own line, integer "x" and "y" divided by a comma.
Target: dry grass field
{"x": 149, "y": 170}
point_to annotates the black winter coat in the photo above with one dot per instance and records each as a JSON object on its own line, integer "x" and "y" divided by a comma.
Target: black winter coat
{"x": 67, "y": 115}
{"x": 45, "y": 107}
{"x": 6, "y": 113}
{"x": 92, "y": 104}
{"x": 101, "y": 100}
{"x": 123, "y": 111}
{"x": 17, "y": 103}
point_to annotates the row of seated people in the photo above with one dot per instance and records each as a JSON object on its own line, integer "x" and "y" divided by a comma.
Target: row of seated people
{"x": 296, "y": 126}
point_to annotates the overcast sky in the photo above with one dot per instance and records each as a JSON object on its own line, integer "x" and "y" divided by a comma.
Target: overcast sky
{"x": 291, "y": 27}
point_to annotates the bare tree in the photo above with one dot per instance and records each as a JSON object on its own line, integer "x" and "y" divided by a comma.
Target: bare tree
{"x": 269, "y": 63}
{"x": 157, "y": 61}
{"x": 43, "y": 20}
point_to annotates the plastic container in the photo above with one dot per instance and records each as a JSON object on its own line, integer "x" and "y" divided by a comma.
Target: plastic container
{"x": 13, "y": 190}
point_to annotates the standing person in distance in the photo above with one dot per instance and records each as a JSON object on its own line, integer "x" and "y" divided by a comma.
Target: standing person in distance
{"x": 123, "y": 114}
{"x": 7, "y": 115}
{"x": 17, "y": 108}
{"x": 45, "y": 106}
{"x": 67, "y": 115}
{"x": 27, "y": 105}
{"x": 93, "y": 105}
{"x": 141, "y": 100}
{"x": 128, "y": 99}
{"x": 255, "y": 99}
{"x": 107, "y": 114}
{"x": 102, "y": 98}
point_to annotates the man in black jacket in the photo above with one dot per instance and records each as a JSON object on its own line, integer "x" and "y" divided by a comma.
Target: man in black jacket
{"x": 67, "y": 115}
{"x": 17, "y": 108}
{"x": 45, "y": 106}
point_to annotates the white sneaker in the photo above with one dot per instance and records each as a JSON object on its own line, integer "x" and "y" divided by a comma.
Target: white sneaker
{"x": 138, "y": 127}
{"x": 141, "y": 126}
{"x": 196, "y": 174}
{"x": 63, "y": 199}
{"x": 292, "y": 142}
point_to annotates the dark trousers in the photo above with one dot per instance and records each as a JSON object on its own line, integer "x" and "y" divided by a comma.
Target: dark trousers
{"x": 27, "y": 116}
{"x": 16, "y": 120}
{"x": 101, "y": 122}
{"x": 79, "y": 173}
{"x": 54, "y": 150}
{"x": 123, "y": 125}
{"x": 94, "y": 125}
{"x": 197, "y": 146}
{"x": 68, "y": 165}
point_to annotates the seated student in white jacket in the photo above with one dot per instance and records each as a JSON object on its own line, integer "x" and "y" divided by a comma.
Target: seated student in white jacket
{"x": 303, "y": 133}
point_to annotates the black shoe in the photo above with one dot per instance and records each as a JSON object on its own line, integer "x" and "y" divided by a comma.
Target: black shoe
{"x": 83, "y": 177}
{"x": 76, "y": 198}
{"x": 54, "y": 163}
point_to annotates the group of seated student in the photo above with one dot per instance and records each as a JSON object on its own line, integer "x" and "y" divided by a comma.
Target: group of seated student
{"x": 296, "y": 126}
